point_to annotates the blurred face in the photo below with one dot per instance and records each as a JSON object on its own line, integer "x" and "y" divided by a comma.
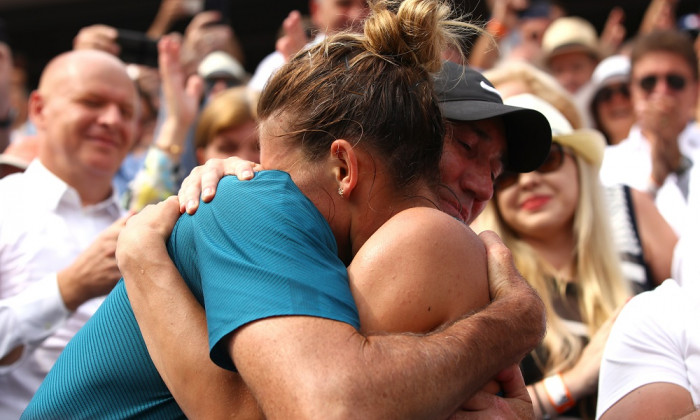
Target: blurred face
{"x": 660, "y": 78}
{"x": 572, "y": 69}
{"x": 538, "y": 204}
{"x": 241, "y": 141}
{"x": 614, "y": 110}
{"x": 332, "y": 16}
{"x": 472, "y": 158}
{"x": 86, "y": 117}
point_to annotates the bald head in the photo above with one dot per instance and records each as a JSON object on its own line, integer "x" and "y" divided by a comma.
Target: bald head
{"x": 85, "y": 114}
{"x": 78, "y": 63}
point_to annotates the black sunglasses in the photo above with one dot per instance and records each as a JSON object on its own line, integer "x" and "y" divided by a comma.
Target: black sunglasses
{"x": 606, "y": 93}
{"x": 553, "y": 161}
{"x": 674, "y": 81}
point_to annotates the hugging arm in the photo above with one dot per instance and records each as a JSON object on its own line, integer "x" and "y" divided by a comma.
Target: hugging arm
{"x": 173, "y": 323}
{"x": 337, "y": 372}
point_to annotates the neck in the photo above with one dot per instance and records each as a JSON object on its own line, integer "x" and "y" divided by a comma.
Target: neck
{"x": 557, "y": 250}
{"x": 383, "y": 203}
{"x": 92, "y": 188}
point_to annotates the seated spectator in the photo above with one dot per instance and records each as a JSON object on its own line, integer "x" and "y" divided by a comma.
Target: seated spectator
{"x": 611, "y": 106}
{"x": 555, "y": 222}
{"x": 642, "y": 237}
{"x": 655, "y": 157}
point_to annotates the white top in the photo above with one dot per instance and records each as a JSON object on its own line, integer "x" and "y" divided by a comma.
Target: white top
{"x": 686, "y": 264}
{"x": 269, "y": 65}
{"x": 43, "y": 228}
{"x": 654, "y": 339}
{"x": 629, "y": 162}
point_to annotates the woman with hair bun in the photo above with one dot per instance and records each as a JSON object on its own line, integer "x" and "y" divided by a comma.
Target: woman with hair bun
{"x": 339, "y": 234}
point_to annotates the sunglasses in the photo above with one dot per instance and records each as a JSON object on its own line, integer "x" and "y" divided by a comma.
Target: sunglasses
{"x": 606, "y": 93}
{"x": 553, "y": 161}
{"x": 674, "y": 81}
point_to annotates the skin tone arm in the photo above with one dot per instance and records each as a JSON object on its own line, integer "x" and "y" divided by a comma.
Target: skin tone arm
{"x": 349, "y": 373}
{"x": 582, "y": 379}
{"x": 657, "y": 400}
{"x": 156, "y": 274}
{"x": 178, "y": 345}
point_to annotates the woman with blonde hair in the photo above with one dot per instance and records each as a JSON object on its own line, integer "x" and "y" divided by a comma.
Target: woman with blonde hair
{"x": 555, "y": 221}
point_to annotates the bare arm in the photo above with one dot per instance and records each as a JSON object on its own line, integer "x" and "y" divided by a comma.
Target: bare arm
{"x": 338, "y": 372}
{"x": 173, "y": 322}
{"x": 657, "y": 400}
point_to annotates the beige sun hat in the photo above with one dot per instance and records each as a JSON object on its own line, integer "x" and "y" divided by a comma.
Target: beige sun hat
{"x": 569, "y": 34}
{"x": 587, "y": 143}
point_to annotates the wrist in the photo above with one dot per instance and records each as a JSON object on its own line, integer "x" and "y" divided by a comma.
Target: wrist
{"x": 558, "y": 394}
{"x": 496, "y": 28}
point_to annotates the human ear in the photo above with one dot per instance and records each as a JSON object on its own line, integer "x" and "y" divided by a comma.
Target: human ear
{"x": 344, "y": 166}
{"x": 36, "y": 108}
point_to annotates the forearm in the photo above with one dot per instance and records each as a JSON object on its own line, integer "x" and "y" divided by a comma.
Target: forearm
{"x": 383, "y": 376}
{"x": 174, "y": 328}
{"x": 29, "y": 317}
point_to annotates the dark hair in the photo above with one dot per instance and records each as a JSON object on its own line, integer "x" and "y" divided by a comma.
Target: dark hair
{"x": 374, "y": 89}
{"x": 671, "y": 41}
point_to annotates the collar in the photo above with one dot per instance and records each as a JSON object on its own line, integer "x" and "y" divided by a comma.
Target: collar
{"x": 50, "y": 192}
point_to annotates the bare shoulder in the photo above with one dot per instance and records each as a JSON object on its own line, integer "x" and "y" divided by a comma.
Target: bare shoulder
{"x": 422, "y": 268}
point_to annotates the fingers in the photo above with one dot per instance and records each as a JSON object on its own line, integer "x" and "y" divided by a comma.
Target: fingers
{"x": 500, "y": 263}
{"x": 203, "y": 180}
{"x": 513, "y": 384}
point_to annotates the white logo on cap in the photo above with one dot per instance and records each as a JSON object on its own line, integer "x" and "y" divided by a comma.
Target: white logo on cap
{"x": 490, "y": 89}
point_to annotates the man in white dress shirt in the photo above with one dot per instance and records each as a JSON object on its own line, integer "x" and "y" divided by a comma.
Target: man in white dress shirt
{"x": 59, "y": 220}
{"x": 656, "y": 157}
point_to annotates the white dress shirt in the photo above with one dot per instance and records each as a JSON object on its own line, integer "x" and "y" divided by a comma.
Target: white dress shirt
{"x": 43, "y": 228}
{"x": 629, "y": 162}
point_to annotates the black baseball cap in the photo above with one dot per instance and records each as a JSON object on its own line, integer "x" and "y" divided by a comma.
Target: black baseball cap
{"x": 465, "y": 94}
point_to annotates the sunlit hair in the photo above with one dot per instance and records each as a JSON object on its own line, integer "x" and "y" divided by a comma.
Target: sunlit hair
{"x": 670, "y": 41}
{"x": 538, "y": 83}
{"x": 601, "y": 286}
{"x": 228, "y": 109}
{"x": 372, "y": 89}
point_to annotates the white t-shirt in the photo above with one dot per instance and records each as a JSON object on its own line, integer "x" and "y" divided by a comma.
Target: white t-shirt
{"x": 656, "y": 338}
{"x": 43, "y": 228}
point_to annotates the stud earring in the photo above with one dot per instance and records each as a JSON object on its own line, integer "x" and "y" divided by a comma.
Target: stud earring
{"x": 341, "y": 191}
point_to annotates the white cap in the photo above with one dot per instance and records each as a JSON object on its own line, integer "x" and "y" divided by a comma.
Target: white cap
{"x": 614, "y": 69}
{"x": 218, "y": 64}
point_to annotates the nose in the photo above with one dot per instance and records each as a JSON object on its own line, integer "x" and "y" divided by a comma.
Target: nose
{"x": 528, "y": 179}
{"x": 111, "y": 114}
{"x": 478, "y": 181}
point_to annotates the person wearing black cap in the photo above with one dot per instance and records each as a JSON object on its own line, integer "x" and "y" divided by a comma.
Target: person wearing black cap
{"x": 484, "y": 137}
{"x": 5, "y": 73}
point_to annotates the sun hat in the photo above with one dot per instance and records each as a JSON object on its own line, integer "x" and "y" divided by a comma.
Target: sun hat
{"x": 465, "y": 94}
{"x": 586, "y": 142}
{"x": 569, "y": 34}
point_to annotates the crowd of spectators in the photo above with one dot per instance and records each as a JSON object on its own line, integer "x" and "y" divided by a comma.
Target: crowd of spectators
{"x": 606, "y": 230}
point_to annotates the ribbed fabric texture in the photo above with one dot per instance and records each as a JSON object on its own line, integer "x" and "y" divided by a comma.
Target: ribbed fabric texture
{"x": 259, "y": 249}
